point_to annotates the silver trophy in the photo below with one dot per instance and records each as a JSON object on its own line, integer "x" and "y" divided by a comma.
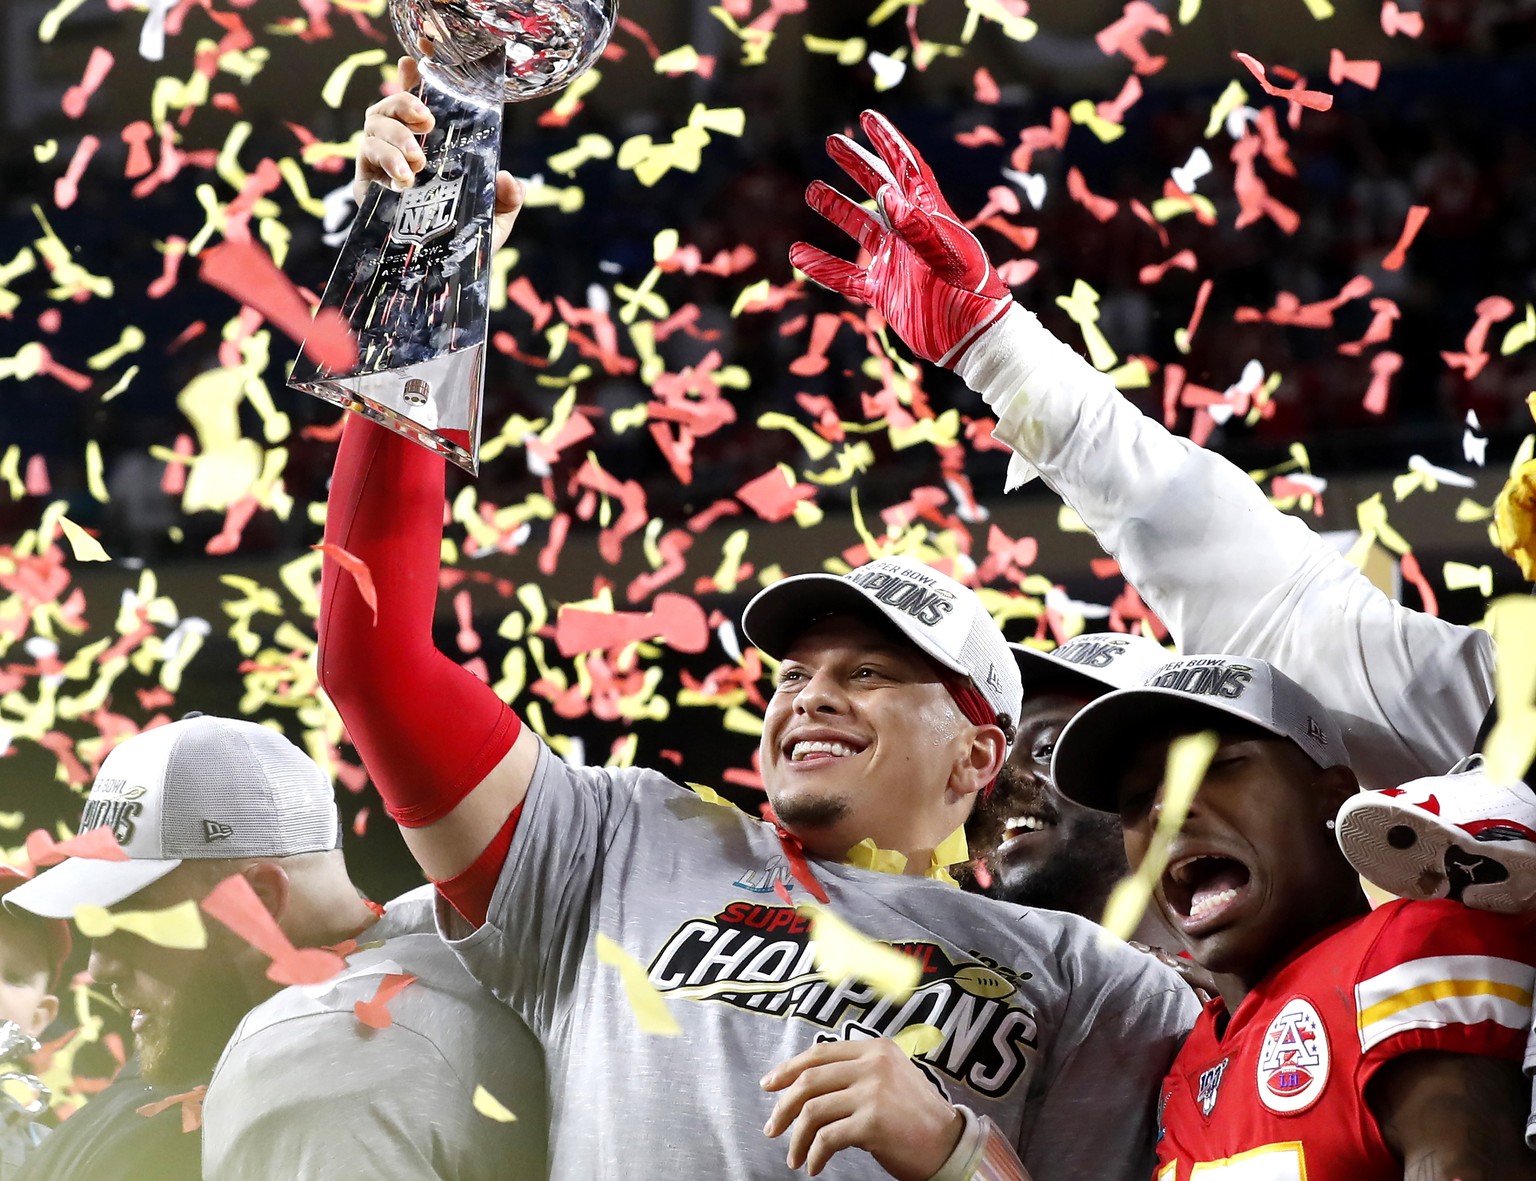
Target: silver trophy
{"x": 17, "y": 1082}
{"x": 413, "y": 279}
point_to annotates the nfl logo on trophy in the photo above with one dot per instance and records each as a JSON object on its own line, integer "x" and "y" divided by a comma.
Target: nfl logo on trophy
{"x": 413, "y": 278}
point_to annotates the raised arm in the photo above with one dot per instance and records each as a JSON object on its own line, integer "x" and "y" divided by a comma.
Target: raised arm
{"x": 447, "y": 755}
{"x": 1223, "y": 569}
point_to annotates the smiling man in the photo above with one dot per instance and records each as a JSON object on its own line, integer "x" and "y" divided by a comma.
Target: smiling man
{"x": 1039, "y": 848}
{"x": 895, "y": 704}
{"x": 1360, "y": 1045}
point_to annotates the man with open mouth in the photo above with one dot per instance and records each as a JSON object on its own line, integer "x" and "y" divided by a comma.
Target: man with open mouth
{"x": 1351, "y": 1044}
{"x": 1036, "y": 847}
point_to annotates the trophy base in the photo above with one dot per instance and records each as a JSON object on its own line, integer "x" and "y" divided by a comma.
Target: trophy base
{"x": 409, "y": 400}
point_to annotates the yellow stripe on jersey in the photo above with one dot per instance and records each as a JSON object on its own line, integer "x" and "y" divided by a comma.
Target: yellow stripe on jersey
{"x": 1437, "y": 991}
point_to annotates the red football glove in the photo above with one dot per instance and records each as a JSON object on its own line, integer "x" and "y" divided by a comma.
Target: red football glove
{"x": 926, "y": 273}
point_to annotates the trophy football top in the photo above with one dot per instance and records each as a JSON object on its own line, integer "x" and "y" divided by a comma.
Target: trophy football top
{"x": 536, "y": 46}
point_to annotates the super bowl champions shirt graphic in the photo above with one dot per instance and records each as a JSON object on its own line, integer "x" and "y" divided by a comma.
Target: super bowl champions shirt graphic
{"x": 1058, "y": 1032}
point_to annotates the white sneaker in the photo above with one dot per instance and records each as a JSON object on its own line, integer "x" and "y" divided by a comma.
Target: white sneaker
{"x": 1460, "y": 836}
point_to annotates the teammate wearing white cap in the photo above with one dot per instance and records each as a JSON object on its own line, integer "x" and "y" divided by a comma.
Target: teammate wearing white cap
{"x": 895, "y": 704}
{"x": 1217, "y": 563}
{"x": 1037, "y": 847}
{"x": 302, "y": 1087}
{"x": 1349, "y": 1044}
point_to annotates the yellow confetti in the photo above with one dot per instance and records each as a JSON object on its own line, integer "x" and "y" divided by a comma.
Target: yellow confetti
{"x": 952, "y": 850}
{"x": 842, "y": 953}
{"x": 85, "y": 547}
{"x": 335, "y": 87}
{"x": 491, "y": 1107}
{"x": 588, "y": 147}
{"x": 916, "y": 1040}
{"x": 1232, "y": 98}
{"x": 647, "y": 1004}
{"x": 1083, "y": 307}
{"x": 1085, "y": 113}
{"x": 1514, "y": 518}
{"x": 1188, "y": 10}
{"x": 1320, "y": 9}
{"x": 1461, "y": 576}
{"x": 1188, "y": 758}
{"x": 1520, "y": 334}
{"x": 848, "y": 53}
{"x": 1512, "y": 741}
{"x": 710, "y": 796}
{"x": 94, "y": 482}
{"x": 24, "y": 263}
{"x": 131, "y": 340}
{"x": 48, "y": 27}
{"x": 1019, "y": 28}
{"x": 179, "y": 926}
{"x": 868, "y": 855}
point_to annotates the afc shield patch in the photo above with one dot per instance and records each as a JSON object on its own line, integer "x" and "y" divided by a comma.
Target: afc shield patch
{"x": 428, "y": 211}
{"x": 1294, "y": 1059}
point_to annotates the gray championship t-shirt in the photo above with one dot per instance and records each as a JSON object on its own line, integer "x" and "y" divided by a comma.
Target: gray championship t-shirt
{"x": 306, "y": 1090}
{"x": 1058, "y": 1032}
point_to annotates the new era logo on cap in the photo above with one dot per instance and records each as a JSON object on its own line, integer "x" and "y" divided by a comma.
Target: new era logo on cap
{"x": 214, "y": 831}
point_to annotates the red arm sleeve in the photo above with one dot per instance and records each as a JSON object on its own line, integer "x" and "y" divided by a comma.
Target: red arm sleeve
{"x": 428, "y": 730}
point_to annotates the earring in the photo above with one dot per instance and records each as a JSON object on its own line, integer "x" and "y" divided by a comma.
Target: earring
{"x": 1330, "y": 825}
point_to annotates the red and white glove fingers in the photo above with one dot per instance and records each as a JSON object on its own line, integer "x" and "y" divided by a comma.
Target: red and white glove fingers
{"x": 924, "y": 272}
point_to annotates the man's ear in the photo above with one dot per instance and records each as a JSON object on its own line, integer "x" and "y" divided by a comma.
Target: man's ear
{"x": 1334, "y": 786}
{"x": 980, "y": 763}
{"x": 270, "y": 881}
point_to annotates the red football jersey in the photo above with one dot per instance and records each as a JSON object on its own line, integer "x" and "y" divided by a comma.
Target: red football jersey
{"x": 1279, "y": 1095}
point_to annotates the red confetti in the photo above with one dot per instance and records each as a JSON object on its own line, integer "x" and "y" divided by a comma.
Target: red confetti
{"x": 676, "y": 619}
{"x": 96, "y": 70}
{"x": 374, "y": 1012}
{"x": 1399, "y": 253}
{"x": 1102, "y": 208}
{"x": 247, "y": 273}
{"x": 1125, "y": 36}
{"x": 1394, "y": 21}
{"x": 1384, "y": 317}
{"x": 1184, "y": 260}
{"x": 773, "y": 497}
{"x": 67, "y": 187}
{"x": 987, "y": 90}
{"x": 191, "y": 1108}
{"x": 1201, "y": 297}
{"x": 359, "y": 571}
{"x": 1489, "y": 312}
{"x": 235, "y": 904}
{"x": 96, "y": 844}
{"x": 1361, "y": 73}
{"x": 1315, "y": 100}
{"x": 1414, "y": 573}
{"x": 1384, "y": 366}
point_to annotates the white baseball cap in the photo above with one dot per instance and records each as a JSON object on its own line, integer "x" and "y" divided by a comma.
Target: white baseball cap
{"x": 1106, "y": 660}
{"x": 1094, "y": 747}
{"x": 947, "y": 621}
{"x": 201, "y": 788}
